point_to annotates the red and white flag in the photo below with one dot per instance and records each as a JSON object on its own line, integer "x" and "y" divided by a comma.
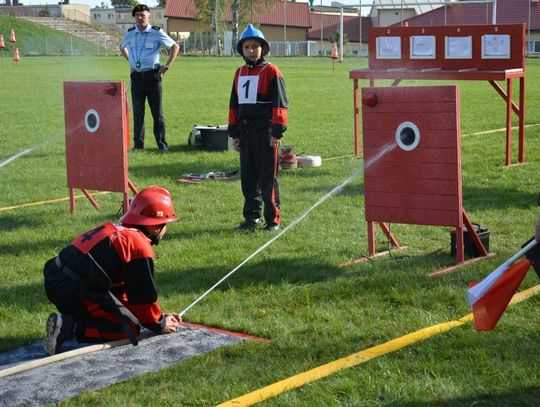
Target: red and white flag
{"x": 488, "y": 309}
{"x": 478, "y": 290}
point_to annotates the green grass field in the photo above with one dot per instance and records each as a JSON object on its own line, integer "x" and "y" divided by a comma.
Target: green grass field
{"x": 36, "y": 39}
{"x": 293, "y": 292}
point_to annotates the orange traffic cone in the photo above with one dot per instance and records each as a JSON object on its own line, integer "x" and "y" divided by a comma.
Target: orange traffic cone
{"x": 2, "y": 44}
{"x": 12, "y": 36}
{"x": 16, "y": 56}
{"x": 334, "y": 54}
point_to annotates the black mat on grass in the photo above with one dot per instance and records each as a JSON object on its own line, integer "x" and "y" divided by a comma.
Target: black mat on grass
{"x": 67, "y": 378}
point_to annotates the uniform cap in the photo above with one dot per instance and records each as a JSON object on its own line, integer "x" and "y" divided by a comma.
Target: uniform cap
{"x": 139, "y": 7}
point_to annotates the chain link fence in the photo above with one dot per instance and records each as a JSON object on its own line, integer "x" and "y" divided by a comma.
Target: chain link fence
{"x": 204, "y": 43}
{"x": 44, "y": 46}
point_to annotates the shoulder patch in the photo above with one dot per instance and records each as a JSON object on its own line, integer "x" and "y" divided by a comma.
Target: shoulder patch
{"x": 132, "y": 28}
{"x": 131, "y": 244}
{"x": 156, "y": 27}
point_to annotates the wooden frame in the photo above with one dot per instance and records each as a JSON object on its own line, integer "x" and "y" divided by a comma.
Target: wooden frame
{"x": 478, "y": 67}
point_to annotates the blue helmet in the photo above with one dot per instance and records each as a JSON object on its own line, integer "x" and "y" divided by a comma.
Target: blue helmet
{"x": 252, "y": 32}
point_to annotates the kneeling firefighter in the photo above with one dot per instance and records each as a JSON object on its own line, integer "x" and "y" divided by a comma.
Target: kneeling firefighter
{"x": 103, "y": 283}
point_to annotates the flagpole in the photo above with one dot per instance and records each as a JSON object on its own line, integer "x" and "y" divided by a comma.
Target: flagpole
{"x": 476, "y": 292}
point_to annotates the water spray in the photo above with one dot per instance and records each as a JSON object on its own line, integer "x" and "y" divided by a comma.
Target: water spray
{"x": 128, "y": 87}
{"x": 27, "y": 151}
{"x": 383, "y": 150}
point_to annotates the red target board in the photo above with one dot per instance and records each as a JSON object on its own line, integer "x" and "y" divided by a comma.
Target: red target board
{"x": 412, "y": 158}
{"x": 97, "y": 137}
{"x": 414, "y": 184}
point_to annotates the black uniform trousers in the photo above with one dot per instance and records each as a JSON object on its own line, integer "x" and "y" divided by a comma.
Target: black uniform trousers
{"x": 258, "y": 169}
{"x": 148, "y": 85}
{"x": 95, "y": 320}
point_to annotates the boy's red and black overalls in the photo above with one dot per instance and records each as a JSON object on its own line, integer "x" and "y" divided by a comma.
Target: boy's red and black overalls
{"x": 104, "y": 279}
{"x": 257, "y": 111}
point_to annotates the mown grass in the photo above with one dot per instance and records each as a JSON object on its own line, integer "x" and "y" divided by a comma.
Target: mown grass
{"x": 36, "y": 39}
{"x": 293, "y": 292}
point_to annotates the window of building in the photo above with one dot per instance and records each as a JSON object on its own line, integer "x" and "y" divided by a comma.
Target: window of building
{"x": 533, "y": 47}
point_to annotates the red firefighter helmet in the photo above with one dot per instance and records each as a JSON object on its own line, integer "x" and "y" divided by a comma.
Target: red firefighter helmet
{"x": 151, "y": 206}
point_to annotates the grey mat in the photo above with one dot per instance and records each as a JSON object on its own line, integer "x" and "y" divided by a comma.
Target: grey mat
{"x": 67, "y": 378}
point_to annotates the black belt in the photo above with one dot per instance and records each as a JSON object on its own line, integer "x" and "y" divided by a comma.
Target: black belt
{"x": 123, "y": 314}
{"x": 247, "y": 120}
{"x": 146, "y": 73}
{"x": 67, "y": 271}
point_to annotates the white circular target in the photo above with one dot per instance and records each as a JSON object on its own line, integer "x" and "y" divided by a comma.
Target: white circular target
{"x": 91, "y": 120}
{"x": 407, "y": 136}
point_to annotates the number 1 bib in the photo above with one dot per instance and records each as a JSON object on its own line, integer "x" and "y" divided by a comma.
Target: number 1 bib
{"x": 247, "y": 89}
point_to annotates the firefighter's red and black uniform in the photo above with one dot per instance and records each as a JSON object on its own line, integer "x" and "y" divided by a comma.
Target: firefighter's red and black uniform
{"x": 258, "y": 111}
{"x": 110, "y": 259}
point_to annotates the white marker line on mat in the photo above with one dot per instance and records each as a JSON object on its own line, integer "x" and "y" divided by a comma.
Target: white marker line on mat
{"x": 23, "y": 367}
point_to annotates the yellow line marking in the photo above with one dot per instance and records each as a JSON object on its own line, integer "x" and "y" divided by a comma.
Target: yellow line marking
{"x": 357, "y": 358}
{"x": 8, "y": 208}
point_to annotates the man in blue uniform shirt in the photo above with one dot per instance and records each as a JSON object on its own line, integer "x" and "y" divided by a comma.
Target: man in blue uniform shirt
{"x": 141, "y": 46}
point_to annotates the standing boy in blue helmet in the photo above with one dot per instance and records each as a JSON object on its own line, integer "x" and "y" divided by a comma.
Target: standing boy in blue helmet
{"x": 257, "y": 121}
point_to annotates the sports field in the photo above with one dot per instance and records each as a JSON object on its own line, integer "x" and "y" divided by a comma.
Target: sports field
{"x": 293, "y": 291}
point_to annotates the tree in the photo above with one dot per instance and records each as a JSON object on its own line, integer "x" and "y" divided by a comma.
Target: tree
{"x": 45, "y": 12}
{"x": 242, "y": 12}
{"x": 125, "y": 3}
{"x": 334, "y": 37}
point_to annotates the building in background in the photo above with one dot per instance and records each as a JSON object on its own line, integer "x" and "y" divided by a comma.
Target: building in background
{"x": 325, "y": 26}
{"x": 285, "y": 26}
{"x": 384, "y": 13}
{"x": 121, "y": 17}
{"x": 299, "y": 28}
{"x": 77, "y": 12}
{"x": 504, "y": 12}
